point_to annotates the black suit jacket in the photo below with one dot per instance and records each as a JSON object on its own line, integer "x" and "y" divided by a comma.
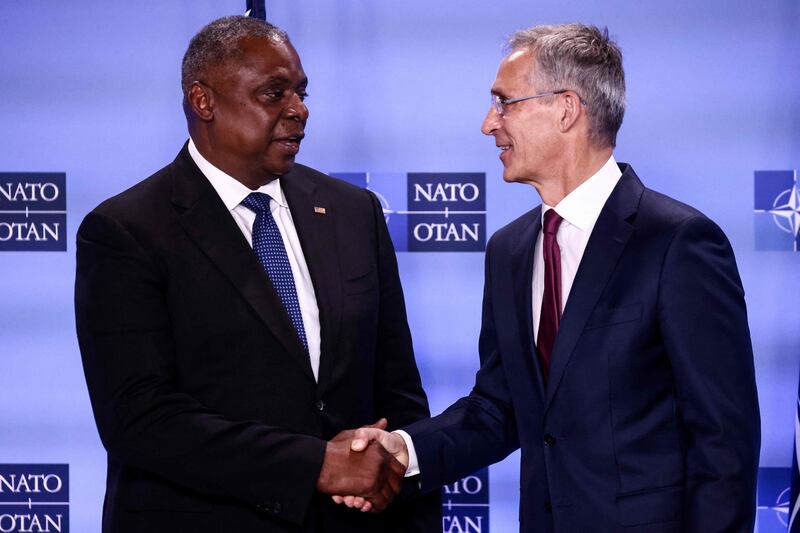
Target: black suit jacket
{"x": 649, "y": 420}
{"x": 203, "y": 395}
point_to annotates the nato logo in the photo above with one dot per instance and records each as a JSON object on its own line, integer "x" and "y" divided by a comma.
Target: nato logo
{"x": 33, "y": 212}
{"x": 772, "y": 500}
{"x": 777, "y": 208}
{"x": 465, "y": 504}
{"x": 430, "y": 211}
{"x": 34, "y": 498}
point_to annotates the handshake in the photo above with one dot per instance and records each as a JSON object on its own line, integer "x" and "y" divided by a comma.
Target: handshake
{"x": 364, "y": 468}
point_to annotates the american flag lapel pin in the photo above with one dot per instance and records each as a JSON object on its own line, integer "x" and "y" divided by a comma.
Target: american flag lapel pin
{"x": 319, "y": 210}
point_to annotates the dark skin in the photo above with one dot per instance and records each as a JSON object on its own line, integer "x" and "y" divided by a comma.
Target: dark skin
{"x": 247, "y": 118}
{"x": 375, "y": 471}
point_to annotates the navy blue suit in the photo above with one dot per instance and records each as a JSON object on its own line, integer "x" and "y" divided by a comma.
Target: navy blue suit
{"x": 649, "y": 420}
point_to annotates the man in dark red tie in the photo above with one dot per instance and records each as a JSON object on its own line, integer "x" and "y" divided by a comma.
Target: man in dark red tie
{"x": 614, "y": 346}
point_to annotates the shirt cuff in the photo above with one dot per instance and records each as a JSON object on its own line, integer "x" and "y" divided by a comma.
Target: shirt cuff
{"x": 413, "y": 464}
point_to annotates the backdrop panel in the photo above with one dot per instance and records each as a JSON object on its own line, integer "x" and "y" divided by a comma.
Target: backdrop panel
{"x": 91, "y": 89}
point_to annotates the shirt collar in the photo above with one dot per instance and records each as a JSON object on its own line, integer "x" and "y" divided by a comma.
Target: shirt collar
{"x": 229, "y": 189}
{"x": 582, "y": 206}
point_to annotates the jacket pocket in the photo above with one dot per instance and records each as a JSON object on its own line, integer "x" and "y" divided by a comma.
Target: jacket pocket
{"x": 361, "y": 283}
{"x": 618, "y": 315}
{"x": 650, "y": 506}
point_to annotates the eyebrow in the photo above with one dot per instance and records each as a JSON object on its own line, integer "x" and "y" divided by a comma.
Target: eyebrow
{"x": 285, "y": 80}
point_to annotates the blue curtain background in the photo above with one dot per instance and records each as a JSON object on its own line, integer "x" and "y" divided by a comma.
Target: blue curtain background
{"x": 92, "y": 88}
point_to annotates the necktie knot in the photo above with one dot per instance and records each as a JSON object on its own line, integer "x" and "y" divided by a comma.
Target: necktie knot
{"x": 552, "y": 221}
{"x": 257, "y": 202}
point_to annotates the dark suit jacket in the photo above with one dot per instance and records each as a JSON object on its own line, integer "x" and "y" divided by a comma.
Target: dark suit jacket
{"x": 202, "y": 392}
{"x": 649, "y": 420}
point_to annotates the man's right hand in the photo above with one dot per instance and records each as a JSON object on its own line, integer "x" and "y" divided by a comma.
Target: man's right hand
{"x": 391, "y": 442}
{"x": 371, "y": 473}
{"x": 363, "y": 439}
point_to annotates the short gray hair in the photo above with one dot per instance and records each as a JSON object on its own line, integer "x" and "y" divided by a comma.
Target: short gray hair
{"x": 218, "y": 43}
{"x": 584, "y": 59}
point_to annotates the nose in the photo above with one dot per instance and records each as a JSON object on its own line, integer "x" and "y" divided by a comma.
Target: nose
{"x": 492, "y": 122}
{"x": 297, "y": 109}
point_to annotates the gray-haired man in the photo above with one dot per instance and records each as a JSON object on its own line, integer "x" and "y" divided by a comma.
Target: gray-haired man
{"x": 614, "y": 346}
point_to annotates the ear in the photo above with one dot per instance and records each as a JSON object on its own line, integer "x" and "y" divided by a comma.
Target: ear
{"x": 201, "y": 100}
{"x": 570, "y": 109}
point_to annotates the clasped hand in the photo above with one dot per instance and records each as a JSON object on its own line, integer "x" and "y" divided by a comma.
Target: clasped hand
{"x": 364, "y": 468}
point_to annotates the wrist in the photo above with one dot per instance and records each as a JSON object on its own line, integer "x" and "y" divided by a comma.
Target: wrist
{"x": 324, "y": 477}
{"x": 410, "y": 455}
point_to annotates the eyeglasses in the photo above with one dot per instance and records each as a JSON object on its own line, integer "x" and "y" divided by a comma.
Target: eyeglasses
{"x": 499, "y": 103}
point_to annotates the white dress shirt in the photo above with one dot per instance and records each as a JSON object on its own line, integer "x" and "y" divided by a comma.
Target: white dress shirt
{"x": 580, "y": 210}
{"x": 232, "y": 192}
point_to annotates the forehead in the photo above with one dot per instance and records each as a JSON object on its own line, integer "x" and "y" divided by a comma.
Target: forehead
{"x": 514, "y": 72}
{"x": 263, "y": 58}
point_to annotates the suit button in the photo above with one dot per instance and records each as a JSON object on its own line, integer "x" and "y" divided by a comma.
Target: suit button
{"x": 549, "y": 439}
{"x": 548, "y": 506}
{"x": 320, "y": 405}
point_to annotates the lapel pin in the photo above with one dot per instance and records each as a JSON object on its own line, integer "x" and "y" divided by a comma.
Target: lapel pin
{"x": 319, "y": 210}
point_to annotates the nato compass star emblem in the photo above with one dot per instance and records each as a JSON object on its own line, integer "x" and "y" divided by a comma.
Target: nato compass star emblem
{"x": 786, "y": 211}
{"x": 773, "y": 499}
{"x": 777, "y": 210}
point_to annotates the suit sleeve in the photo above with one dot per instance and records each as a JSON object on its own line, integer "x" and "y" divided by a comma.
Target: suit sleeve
{"x": 398, "y": 388}
{"x": 123, "y": 326}
{"x": 704, "y": 323}
{"x": 478, "y": 429}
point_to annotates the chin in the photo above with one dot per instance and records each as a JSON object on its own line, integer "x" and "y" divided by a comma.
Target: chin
{"x": 280, "y": 170}
{"x": 509, "y": 176}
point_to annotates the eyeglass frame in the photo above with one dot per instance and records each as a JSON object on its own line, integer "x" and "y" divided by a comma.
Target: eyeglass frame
{"x": 499, "y": 103}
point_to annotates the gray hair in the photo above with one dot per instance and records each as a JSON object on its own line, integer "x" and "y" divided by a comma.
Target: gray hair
{"x": 581, "y": 58}
{"x": 218, "y": 43}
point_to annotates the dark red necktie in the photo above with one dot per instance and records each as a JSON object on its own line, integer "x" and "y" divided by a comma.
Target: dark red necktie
{"x": 551, "y": 300}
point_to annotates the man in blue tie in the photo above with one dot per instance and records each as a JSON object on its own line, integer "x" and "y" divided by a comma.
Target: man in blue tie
{"x": 614, "y": 347}
{"x": 237, "y": 311}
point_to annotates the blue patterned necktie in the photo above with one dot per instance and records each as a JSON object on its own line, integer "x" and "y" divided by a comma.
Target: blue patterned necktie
{"x": 268, "y": 246}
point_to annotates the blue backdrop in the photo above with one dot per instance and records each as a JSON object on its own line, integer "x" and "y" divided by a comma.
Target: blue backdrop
{"x": 92, "y": 89}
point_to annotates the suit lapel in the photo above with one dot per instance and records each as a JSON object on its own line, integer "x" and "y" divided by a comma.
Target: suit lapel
{"x": 317, "y": 233}
{"x": 209, "y": 224}
{"x": 609, "y": 237}
{"x": 522, "y": 257}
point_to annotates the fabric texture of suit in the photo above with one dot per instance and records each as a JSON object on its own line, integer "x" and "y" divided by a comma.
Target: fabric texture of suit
{"x": 203, "y": 394}
{"x": 649, "y": 420}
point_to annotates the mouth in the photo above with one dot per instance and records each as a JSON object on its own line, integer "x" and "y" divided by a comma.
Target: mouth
{"x": 505, "y": 150}
{"x": 290, "y": 143}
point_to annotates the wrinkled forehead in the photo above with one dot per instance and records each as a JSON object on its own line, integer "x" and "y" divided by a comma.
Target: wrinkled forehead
{"x": 260, "y": 57}
{"x": 259, "y": 52}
